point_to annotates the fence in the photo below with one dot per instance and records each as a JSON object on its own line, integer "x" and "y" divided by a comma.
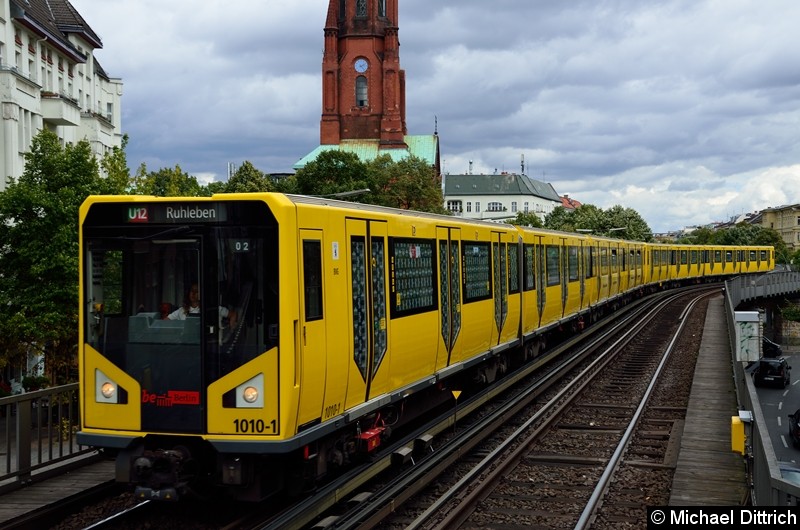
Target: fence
{"x": 37, "y": 434}
{"x": 768, "y": 487}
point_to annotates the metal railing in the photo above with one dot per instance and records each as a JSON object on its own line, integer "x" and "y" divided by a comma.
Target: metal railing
{"x": 37, "y": 433}
{"x": 768, "y": 487}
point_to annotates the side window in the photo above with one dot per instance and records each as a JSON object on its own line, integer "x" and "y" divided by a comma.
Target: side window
{"x": 477, "y": 272}
{"x": 513, "y": 268}
{"x": 530, "y": 275}
{"x": 553, "y": 265}
{"x": 572, "y": 254}
{"x": 312, "y": 279}
{"x": 413, "y": 276}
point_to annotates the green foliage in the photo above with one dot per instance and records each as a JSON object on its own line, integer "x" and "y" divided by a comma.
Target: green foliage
{"x": 39, "y": 249}
{"x": 740, "y": 234}
{"x": 528, "y": 219}
{"x": 790, "y": 312}
{"x": 165, "y": 182}
{"x": 617, "y": 222}
{"x": 333, "y": 172}
{"x": 248, "y": 179}
{"x": 408, "y": 184}
{"x": 35, "y": 382}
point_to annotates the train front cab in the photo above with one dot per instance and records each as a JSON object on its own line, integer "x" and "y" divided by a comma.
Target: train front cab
{"x": 160, "y": 380}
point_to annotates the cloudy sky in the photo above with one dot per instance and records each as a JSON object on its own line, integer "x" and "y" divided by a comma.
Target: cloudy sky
{"x": 687, "y": 111}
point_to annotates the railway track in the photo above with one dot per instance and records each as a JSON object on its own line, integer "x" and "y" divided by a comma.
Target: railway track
{"x": 597, "y": 454}
{"x": 564, "y": 465}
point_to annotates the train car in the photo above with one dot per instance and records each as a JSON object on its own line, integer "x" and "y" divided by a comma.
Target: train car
{"x": 254, "y": 344}
{"x": 318, "y": 320}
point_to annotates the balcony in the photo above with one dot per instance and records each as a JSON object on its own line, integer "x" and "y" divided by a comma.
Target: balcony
{"x": 58, "y": 109}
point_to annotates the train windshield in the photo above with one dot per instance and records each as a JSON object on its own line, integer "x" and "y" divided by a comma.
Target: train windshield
{"x": 178, "y": 307}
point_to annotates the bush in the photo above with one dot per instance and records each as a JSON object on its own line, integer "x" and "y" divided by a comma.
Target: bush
{"x": 5, "y": 389}
{"x": 35, "y": 382}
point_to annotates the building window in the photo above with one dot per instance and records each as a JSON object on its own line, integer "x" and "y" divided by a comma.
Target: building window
{"x": 361, "y": 8}
{"x": 495, "y": 207}
{"x": 469, "y": 208}
{"x": 381, "y": 8}
{"x": 477, "y": 207}
{"x": 525, "y": 207}
{"x": 513, "y": 206}
{"x": 361, "y": 91}
{"x": 341, "y": 9}
{"x": 454, "y": 206}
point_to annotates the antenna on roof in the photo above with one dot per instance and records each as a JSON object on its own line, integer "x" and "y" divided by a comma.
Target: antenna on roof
{"x": 522, "y": 163}
{"x": 435, "y": 125}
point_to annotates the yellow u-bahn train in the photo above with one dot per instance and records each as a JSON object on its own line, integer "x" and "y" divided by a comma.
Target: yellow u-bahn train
{"x": 256, "y": 342}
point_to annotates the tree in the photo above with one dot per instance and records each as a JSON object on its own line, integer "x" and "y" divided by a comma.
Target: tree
{"x": 248, "y": 179}
{"x": 528, "y": 219}
{"x": 39, "y": 250}
{"x": 165, "y": 182}
{"x": 408, "y": 184}
{"x": 331, "y": 173}
{"x": 115, "y": 166}
{"x": 617, "y": 222}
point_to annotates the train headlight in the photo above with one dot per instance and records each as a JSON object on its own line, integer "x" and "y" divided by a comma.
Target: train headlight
{"x": 250, "y": 394}
{"x": 108, "y": 390}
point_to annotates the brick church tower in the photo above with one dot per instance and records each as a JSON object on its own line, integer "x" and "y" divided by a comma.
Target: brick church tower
{"x": 363, "y": 86}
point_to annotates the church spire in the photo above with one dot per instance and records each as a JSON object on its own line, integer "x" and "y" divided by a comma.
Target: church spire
{"x": 363, "y": 86}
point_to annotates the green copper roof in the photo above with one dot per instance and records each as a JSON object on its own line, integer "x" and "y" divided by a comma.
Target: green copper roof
{"x": 425, "y": 147}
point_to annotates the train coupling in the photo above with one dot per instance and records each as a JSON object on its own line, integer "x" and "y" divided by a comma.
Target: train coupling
{"x": 149, "y": 494}
{"x": 161, "y": 474}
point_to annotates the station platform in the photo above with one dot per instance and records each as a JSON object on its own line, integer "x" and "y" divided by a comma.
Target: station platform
{"x": 708, "y": 472}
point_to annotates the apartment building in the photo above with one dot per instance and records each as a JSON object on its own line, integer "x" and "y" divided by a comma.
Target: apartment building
{"x": 49, "y": 78}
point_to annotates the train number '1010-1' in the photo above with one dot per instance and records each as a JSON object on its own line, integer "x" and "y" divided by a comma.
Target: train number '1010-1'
{"x": 255, "y": 426}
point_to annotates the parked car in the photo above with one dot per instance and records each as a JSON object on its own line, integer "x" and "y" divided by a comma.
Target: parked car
{"x": 770, "y": 349}
{"x": 794, "y": 428}
{"x": 772, "y": 372}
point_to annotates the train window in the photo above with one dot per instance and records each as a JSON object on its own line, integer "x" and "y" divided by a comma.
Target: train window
{"x": 684, "y": 257}
{"x": 693, "y": 257}
{"x": 553, "y": 263}
{"x": 614, "y": 263}
{"x": 603, "y": 261}
{"x": 590, "y": 262}
{"x": 728, "y": 256}
{"x": 764, "y": 255}
{"x": 477, "y": 272}
{"x": 413, "y": 276}
{"x": 530, "y": 277}
{"x": 752, "y": 256}
{"x": 312, "y": 279}
{"x": 572, "y": 257}
{"x": 717, "y": 256}
{"x": 513, "y": 269}
{"x": 638, "y": 259}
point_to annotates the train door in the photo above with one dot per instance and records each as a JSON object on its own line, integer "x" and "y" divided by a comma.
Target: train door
{"x": 450, "y": 293}
{"x": 540, "y": 281}
{"x": 500, "y": 282}
{"x": 313, "y": 338}
{"x": 565, "y": 273}
{"x": 367, "y": 276}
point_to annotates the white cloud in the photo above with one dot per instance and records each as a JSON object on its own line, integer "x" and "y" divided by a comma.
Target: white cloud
{"x": 684, "y": 110}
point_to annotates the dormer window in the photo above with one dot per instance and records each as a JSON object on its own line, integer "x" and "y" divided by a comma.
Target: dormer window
{"x": 361, "y": 8}
{"x": 361, "y": 92}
